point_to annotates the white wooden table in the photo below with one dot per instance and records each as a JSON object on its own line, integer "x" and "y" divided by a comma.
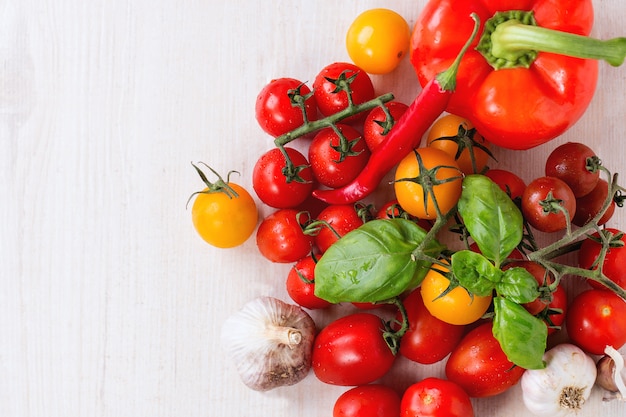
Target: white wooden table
{"x": 110, "y": 304}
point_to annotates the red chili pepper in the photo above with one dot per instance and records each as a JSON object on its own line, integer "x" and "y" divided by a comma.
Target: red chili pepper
{"x": 526, "y": 83}
{"x": 405, "y": 135}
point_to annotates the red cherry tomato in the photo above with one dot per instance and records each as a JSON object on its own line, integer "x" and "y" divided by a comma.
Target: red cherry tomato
{"x": 568, "y": 162}
{"x": 595, "y": 319}
{"x": 479, "y": 365}
{"x": 334, "y": 162}
{"x": 270, "y": 184}
{"x": 373, "y": 400}
{"x": 342, "y": 218}
{"x": 301, "y": 284}
{"x": 376, "y": 126}
{"x": 352, "y": 351}
{"x": 280, "y": 237}
{"x": 614, "y": 265}
{"x": 509, "y": 182}
{"x": 275, "y": 110}
{"x": 589, "y": 205}
{"x": 331, "y": 102}
{"x": 434, "y": 397}
{"x": 555, "y": 314}
{"x": 545, "y": 202}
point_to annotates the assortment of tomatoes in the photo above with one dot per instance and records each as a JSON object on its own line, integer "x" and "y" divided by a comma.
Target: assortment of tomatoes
{"x": 358, "y": 349}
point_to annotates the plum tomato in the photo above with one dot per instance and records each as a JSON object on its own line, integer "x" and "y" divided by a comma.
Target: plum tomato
{"x": 352, "y": 351}
{"x": 457, "y": 137}
{"x": 332, "y": 76}
{"x": 545, "y": 202}
{"x": 276, "y": 110}
{"x": 301, "y": 284}
{"x": 595, "y": 319}
{"x": 272, "y": 185}
{"x": 614, "y": 265}
{"x": 433, "y": 166}
{"x": 544, "y": 279}
{"x": 336, "y": 220}
{"x": 479, "y": 365}
{"x": 377, "y": 40}
{"x": 336, "y": 161}
{"x": 456, "y": 306}
{"x": 435, "y": 397}
{"x": 417, "y": 343}
{"x": 589, "y": 205}
{"x": 377, "y": 125}
{"x": 576, "y": 164}
{"x": 223, "y": 213}
{"x": 373, "y": 400}
{"x": 280, "y": 236}
{"x": 508, "y": 182}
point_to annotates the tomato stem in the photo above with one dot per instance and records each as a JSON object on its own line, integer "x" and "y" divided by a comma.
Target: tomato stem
{"x": 393, "y": 337}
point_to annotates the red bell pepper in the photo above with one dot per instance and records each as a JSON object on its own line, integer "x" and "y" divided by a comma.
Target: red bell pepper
{"x": 526, "y": 85}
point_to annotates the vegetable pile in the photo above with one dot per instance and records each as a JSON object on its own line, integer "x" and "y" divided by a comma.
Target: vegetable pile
{"x": 451, "y": 266}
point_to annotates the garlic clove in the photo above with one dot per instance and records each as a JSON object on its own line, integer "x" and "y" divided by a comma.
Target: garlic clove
{"x": 612, "y": 374}
{"x": 270, "y": 343}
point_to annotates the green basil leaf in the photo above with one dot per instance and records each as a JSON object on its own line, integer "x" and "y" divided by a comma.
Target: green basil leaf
{"x": 518, "y": 285}
{"x": 522, "y": 336}
{"x": 491, "y": 217}
{"x": 374, "y": 262}
{"x": 475, "y": 272}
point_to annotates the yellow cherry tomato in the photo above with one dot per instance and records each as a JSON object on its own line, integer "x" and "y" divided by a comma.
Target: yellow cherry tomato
{"x": 437, "y": 168}
{"x": 457, "y": 137}
{"x": 377, "y": 40}
{"x": 457, "y": 306}
{"x": 224, "y": 213}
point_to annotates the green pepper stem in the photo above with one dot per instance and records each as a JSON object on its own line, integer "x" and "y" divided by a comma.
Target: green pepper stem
{"x": 512, "y": 39}
{"x": 447, "y": 78}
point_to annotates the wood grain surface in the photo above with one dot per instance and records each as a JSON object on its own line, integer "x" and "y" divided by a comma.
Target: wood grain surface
{"x": 110, "y": 304}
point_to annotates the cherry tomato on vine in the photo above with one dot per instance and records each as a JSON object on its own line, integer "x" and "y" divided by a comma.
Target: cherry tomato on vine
{"x": 275, "y": 108}
{"x": 223, "y": 213}
{"x": 457, "y": 306}
{"x": 614, "y": 265}
{"x": 301, "y": 284}
{"x": 457, "y": 137}
{"x": 595, "y": 319}
{"x": 342, "y": 218}
{"x": 374, "y": 400}
{"x": 435, "y": 397}
{"x": 589, "y": 205}
{"x": 280, "y": 236}
{"x": 576, "y": 164}
{"x": 330, "y": 101}
{"x": 508, "y": 182}
{"x": 272, "y": 186}
{"x": 440, "y": 169}
{"x": 417, "y": 343}
{"x": 377, "y": 40}
{"x": 376, "y": 125}
{"x": 555, "y": 314}
{"x": 479, "y": 365}
{"x": 352, "y": 351}
{"x": 545, "y": 202}
{"x": 335, "y": 162}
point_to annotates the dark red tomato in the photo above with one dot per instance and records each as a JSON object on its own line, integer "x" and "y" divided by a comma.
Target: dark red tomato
{"x": 589, "y": 205}
{"x": 376, "y": 126}
{"x": 614, "y": 265}
{"x": 280, "y": 237}
{"x": 336, "y": 162}
{"x": 275, "y": 110}
{"x": 301, "y": 284}
{"x": 509, "y": 182}
{"x": 569, "y": 163}
{"x": 434, "y": 397}
{"x": 342, "y": 218}
{"x": 374, "y": 400}
{"x": 417, "y": 343}
{"x": 543, "y": 278}
{"x": 595, "y": 319}
{"x": 352, "y": 351}
{"x": 392, "y": 210}
{"x": 270, "y": 183}
{"x": 479, "y": 365}
{"x": 330, "y": 102}
{"x": 545, "y": 202}
{"x": 555, "y": 314}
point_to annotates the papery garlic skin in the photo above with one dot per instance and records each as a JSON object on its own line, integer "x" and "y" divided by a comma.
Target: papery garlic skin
{"x": 270, "y": 343}
{"x": 563, "y": 386}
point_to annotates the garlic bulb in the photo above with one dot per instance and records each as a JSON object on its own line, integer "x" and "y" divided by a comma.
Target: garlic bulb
{"x": 563, "y": 386}
{"x": 270, "y": 343}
